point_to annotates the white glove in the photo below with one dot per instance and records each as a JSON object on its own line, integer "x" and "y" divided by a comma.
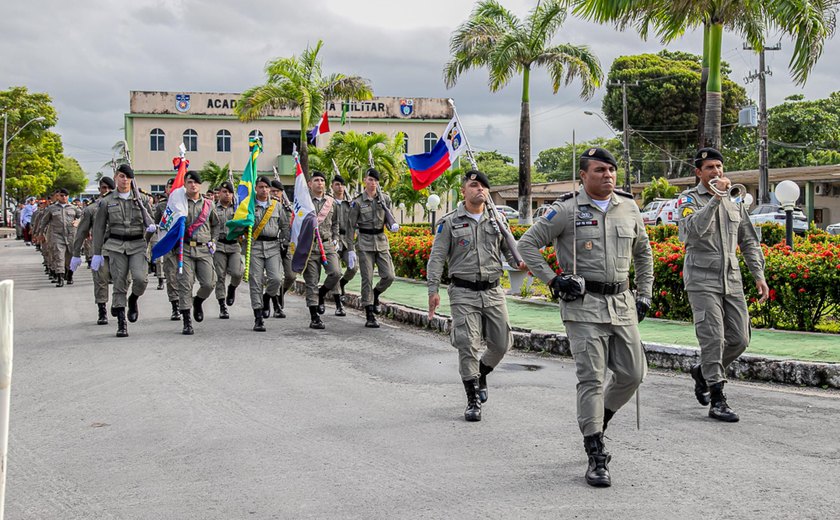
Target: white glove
{"x": 211, "y": 246}
{"x": 395, "y": 227}
{"x": 97, "y": 262}
{"x": 75, "y": 262}
{"x": 151, "y": 229}
{"x": 351, "y": 259}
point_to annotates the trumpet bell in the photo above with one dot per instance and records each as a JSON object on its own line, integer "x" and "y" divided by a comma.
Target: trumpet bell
{"x": 736, "y": 192}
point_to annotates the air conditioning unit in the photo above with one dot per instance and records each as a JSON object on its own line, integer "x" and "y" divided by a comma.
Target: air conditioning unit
{"x": 822, "y": 188}
{"x": 748, "y": 117}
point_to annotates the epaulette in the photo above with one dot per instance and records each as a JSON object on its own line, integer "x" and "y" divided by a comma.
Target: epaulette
{"x": 567, "y": 196}
{"x": 623, "y": 193}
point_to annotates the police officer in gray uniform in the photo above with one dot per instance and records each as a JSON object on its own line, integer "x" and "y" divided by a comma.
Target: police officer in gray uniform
{"x": 228, "y": 257}
{"x": 339, "y": 191}
{"x": 118, "y": 230}
{"x": 471, "y": 243}
{"x": 599, "y": 310}
{"x": 713, "y": 227}
{"x": 370, "y": 244}
{"x": 58, "y": 224}
{"x": 325, "y": 213}
{"x": 266, "y": 269}
{"x": 289, "y": 277}
{"x": 202, "y": 224}
{"x": 170, "y": 260}
{"x": 100, "y": 277}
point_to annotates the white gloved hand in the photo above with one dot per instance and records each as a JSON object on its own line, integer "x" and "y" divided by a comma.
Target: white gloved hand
{"x": 351, "y": 259}
{"x": 97, "y": 262}
{"x": 151, "y": 229}
{"x": 211, "y": 246}
{"x": 395, "y": 227}
{"x": 75, "y": 262}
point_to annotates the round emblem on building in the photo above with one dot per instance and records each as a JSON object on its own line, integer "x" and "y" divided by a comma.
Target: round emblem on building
{"x": 406, "y": 107}
{"x": 182, "y": 102}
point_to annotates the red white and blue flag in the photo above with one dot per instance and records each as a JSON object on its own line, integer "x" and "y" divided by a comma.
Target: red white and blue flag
{"x": 322, "y": 127}
{"x": 426, "y": 167}
{"x": 173, "y": 221}
{"x": 304, "y": 220}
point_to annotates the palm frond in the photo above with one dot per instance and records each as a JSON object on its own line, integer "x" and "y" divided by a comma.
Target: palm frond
{"x": 568, "y": 62}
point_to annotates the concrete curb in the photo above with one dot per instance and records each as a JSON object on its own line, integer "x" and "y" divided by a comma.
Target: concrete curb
{"x": 674, "y": 357}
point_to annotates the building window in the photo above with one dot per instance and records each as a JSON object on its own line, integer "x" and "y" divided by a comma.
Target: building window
{"x": 223, "y": 141}
{"x": 191, "y": 140}
{"x": 157, "y": 189}
{"x": 157, "y": 140}
{"x": 405, "y": 142}
{"x": 256, "y": 134}
{"x": 429, "y": 142}
{"x": 289, "y": 140}
{"x": 369, "y": 132}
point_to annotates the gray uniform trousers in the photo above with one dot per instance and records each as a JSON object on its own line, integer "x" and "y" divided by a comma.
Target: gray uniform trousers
{"x": 199, "y": 268}
{"x": 596, "y": 347}
{"x": 722, "y": 326}
{"x": 477, "y": 314}
{"x": 170, "y": 272}
{"x": 264, "y": 272}
{"x": 349, "y": 272}
{"x": 61, "y": 250}
{"x": 288, "y": 275}
{"x": 384, "y": 265}
{"x": 100, "y": 281}
{"x": 123, "y": 265}
{"x": 312, "y": 275}
{"x": 227, "y": 264}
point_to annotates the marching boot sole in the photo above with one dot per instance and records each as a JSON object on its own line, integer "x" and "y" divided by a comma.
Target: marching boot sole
{"x": 724, "y": 417}
{"x": 340, "y": 312}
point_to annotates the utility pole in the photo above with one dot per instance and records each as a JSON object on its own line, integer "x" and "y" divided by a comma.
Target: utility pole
{"x": 763, "y": 166}
{"x": 626, "y": 131}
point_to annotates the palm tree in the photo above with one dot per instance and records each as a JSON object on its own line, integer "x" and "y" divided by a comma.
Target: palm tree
{"x": 299, "y": 82}
{"x": 809, "y": 22}
{"x": 351, "y": 152}
{"x": 449, "y": 183}
{"x": 405, "y": 193}
{"x": 495, "y": 38}
{"x": 213, "y": 174}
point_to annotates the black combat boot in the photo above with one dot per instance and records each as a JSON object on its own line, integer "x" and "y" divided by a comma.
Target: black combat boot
{"x": 597, "y": 474}
{"x": 223, "y": 313}
{"x": 266, "y": 308}
{"x": 133, "y": 310}
{"x": 122, "y": 326}
{"x": 608, "y": 414}
{"x": 376, "y": 307}
{"x": 103, "y": 314}
{"x": 473, "y": 411}
{"x": 259, "y": 326}
{"x": 339, "y": 307}
{"x": 176, "y": 314}
{"x": 342, "y": 283}
{"x": 160, "y": 284}
{"x": 322, "y": 293}
{"x": 68, "y": 275}
{"x": 198, "y": 311}
{"x": 701, "y": 389}
{"x": 719, "y": 409}
{"x": 278, "y": 307}
{"x": 231, "y": 296}
{"x": 188, "y": 329}
{"x": 315, "y": 318}
{"x": 59, "y": 282}
{"x": 370, "y": 321}
{"x": 483, "y": 370}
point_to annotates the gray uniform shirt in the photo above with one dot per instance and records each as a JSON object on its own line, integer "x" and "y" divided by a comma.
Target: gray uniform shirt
{"x": 329, "y": 227}
{"x": 712, "y": 230}
{"x": 84, "y": 227}
{"x": 366, "y": 213}
{"x": 223, "y": 214}
{"x": 607, "y": 242}
{"x": 121, "y": 217}
{"x": 273, "y": 228}
{"x": 58, "y": 222}
{"x": 195, "y": 245}
{"x": 473, "y": 248}
{"x": 342, "y": 210}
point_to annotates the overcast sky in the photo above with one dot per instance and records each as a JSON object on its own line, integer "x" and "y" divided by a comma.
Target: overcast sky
{"x": 89, "y": 54}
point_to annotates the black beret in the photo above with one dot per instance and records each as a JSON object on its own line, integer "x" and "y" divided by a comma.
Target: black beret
{"x": 599, "y": 154}
{"x": 704, "y": 154}
{"x": 107, "y": 181}
{"x": 192, "y": 174}
{"x": 63, "y": 191}
{"x": 127, "y": 170}
{"x": 227, "y": 186}
{"x": 263, "y": 179}
{"x": 475, "y": 175}
{"x": 371, "y": 172}
{"x": 277, "y": 185}
{"x": 316, "y": 173}
{"x": 339, "y": 179}
{"x": 170, "y": 182}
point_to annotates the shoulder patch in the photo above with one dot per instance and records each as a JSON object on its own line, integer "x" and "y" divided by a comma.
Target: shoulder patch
{"x": 623, "y": 193}
{"x": 686, "y": 212}
{"x": 440, "y": 227}
{"x": 685, "y": 199}
{"x": 551, "y": 214}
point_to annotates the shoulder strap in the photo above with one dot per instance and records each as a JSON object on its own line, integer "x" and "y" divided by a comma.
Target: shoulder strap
{"x": 264, "y": 220}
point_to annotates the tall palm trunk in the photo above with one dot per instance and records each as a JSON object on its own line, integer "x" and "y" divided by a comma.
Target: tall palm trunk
{"x": 704, "y": 78}
{"x": 525, "y": 152}
{"x": 713, "y": 87}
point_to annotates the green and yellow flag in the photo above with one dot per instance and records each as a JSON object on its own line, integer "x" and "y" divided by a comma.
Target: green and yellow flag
{"x": 243, "y": 218}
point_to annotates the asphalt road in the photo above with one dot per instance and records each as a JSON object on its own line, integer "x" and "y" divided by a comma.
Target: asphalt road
{"x": 357, "y": 423}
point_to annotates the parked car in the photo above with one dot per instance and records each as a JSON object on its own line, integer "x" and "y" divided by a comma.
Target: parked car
{"x": 508, "y": 212}
{"x": 651, "y": 211}
{"x": 542, "y": 210}
{"x": 773, "y": 213}
{"x": 833, "y": 229}
{"x": 668, "y": 213}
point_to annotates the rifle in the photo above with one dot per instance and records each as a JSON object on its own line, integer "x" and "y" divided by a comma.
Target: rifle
{"x": 147, "y": 218}
{"x": 390, "y": 221}
{"x": 283, "y": 200}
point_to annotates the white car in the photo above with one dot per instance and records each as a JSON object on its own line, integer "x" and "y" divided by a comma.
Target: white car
{"x": 668, "y": 213}
{"x": 833, "y": 229}
{"x": 651, "y": 211}
{"x": 508, "y": 212}
{"x": 773, "y": 213}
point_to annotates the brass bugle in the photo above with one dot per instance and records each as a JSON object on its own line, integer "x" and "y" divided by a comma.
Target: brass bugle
{"x": 736, "y": 192}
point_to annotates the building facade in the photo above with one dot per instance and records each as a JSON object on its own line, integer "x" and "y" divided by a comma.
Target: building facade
{"x": 158, "y": 122}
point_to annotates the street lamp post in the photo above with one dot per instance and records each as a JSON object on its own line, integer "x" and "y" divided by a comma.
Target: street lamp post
{"x": 402, "y": 212}
{"x": 5, "y": 143}
{"x": 626, "y": 140}
{"x": 433, "y": 202}
{"x": 787, "y": 193}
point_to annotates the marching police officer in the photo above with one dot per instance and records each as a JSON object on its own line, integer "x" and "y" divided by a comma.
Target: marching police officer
{"x": 228, "y": 256}
{"x": 327, "y": 231}
{"x": 370, "y": 244}
{"x": 266, "y": 267}
{"x": 118, "y": 231}
{"x": 599, "y": 311}
{"x": 289, "y": 277}
{"x": 343, "y": 240}
{"x": 713, "y": 227}
{"x": 59, "y": 224}
{"x": 471, "y": 243}
{"x": 170, "y": 260}
{"x": 100, "y": 277}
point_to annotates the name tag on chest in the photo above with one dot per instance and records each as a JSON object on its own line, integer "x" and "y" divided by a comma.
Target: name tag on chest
{"x": 579, "y": 223}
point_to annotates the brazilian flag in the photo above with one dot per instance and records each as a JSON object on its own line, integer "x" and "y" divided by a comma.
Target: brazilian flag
{"x": 243, "y": 218}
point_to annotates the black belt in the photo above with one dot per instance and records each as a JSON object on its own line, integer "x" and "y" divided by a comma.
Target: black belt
{"x": 125, "y": 238}
{"x": 607, "y": 288}
{"x": 475, "y": 286}
{"x": 372, "y": 231}
{"x": 267, "y": 238}
{"x": 229, "y": 242}
{"x": 342, "y": 231}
